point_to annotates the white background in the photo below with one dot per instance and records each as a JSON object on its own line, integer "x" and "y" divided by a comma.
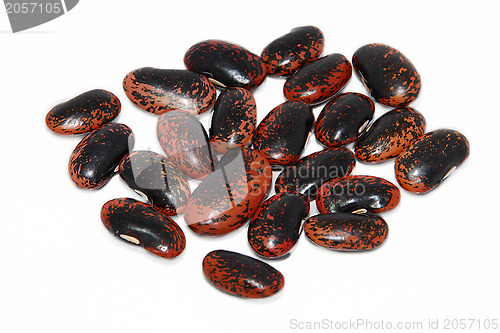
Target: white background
{"x": 61, "y": 271}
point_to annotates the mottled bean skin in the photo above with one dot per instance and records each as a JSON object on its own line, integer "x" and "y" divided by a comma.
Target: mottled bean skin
{"x": 287, "y": 53}
{"x": 226, "y": 64}
{"x": 156, "y": 178}
{"x": 275, "y": 227}
{"x": 318, "y": 80}
{"x": 310, "y": 172}
{"x": 160, "y": 90}
{"x": 185, "y": 143}
{"x": 282, "y": 134}
{"x": 346, "y": 232}
{"x": 357, "y": 194}
{"x": 83, "y": 113}
{"x": 343, "y": 119}
{"x": 230, "y": 195}
{"x": 389, "y": 135}
{"x": 431, "y": 159}
{"x": 390, "y": 77}
{"x": 240, "y": 275}
{"x": 234, "y": 120}
{"x": 96, "y": 157}
{"x": 141, "y": 224}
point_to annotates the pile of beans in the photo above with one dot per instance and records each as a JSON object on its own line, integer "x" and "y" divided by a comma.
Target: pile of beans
{"x": 233, "y": 190}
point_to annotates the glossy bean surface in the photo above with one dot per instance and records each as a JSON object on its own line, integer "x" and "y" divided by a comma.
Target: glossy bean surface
{"x": 343, "y": 119}
{"x": 229, "y": 196}
{"x": 226, "y": 64}
{"x": 234, "y": 120}
{"x": 310, "y": 172}
{"x": 96, "y": 157}
{"x": 346, "y": 232}
{"x": 276, "y": 226}
{"x": 241, "y": 275}
{"x": 287, "y": 53}
{"x": 158, "y": 179}
{"x": 318, "y": 80}
{"x": 358, "y": 194}
{"x": 83, "y": 113}
{"x": 282, "y": 134}
{"x": 390, "y": 134}
{"x": 160, "y": 90}
{"x": 140, "y": 224}
{"x": 185, "y": 143}
{"x": 389, "y": 75}
{"x": 431, "y": 159}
